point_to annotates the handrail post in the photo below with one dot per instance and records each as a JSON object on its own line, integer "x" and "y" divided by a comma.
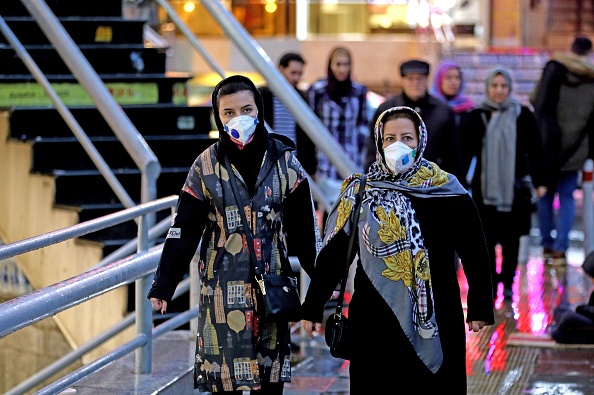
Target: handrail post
{"x": 143, "y": 307}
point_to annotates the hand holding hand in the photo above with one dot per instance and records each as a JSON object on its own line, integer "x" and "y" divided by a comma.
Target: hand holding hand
{"x": 310, "y": 327}
{"x": 476, "y": 326}
{"x": 159, "y": 305}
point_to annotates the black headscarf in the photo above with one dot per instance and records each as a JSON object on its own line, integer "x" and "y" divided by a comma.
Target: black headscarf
{"x": 338, "y": 89}
{"x": 249, "y": 159}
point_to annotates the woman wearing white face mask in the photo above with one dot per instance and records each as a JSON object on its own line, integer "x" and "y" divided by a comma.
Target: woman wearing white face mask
{"x": 406, "y": 307}
{"x": 252, "y": 350}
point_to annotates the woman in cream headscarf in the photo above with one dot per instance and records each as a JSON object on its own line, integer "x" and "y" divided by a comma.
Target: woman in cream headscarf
{"x": 405, "y": 315}
{"x": 503, "y": 136}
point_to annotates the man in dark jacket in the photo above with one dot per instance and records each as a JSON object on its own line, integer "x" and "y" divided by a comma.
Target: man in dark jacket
{"x": 444, "y": 146}
{"x": 281, "y": 120}
{"x": 564, "y": 107}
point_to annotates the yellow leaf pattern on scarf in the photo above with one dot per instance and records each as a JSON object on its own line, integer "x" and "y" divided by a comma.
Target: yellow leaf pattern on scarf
{"x": 344, "y": 208}
{"x": 399, "y": 266}
{"x": 344, "y": 211}
{"x": 437, "y": 176}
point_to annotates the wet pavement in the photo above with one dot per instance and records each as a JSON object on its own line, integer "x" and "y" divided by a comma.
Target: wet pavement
{"x": 515, "y": 356}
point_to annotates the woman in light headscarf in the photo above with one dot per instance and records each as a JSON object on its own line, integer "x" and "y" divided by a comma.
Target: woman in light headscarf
{"x": 503, "y": 135}
{"x": 405, "y": 315}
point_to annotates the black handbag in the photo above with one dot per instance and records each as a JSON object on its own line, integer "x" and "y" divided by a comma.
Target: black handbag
{"x": 279, "y": 292}
{"x": 336, "y": 332}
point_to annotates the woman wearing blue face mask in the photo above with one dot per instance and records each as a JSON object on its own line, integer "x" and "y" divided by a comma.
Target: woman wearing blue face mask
{"x": 405, "y": 316}
{"x": 251, "y": 350}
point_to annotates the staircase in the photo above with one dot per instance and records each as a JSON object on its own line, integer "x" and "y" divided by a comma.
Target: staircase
{"x": 153, "y": 99}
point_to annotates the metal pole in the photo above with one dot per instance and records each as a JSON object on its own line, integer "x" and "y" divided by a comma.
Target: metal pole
{"x": 191, "y": 37}
{"x": 312, "y": 125}
{"x": 588, "y": 207}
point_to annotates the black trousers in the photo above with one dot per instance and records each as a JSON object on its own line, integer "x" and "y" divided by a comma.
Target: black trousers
{"x": 501, "y": 228}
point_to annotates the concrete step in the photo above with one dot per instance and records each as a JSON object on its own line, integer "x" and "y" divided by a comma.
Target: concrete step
{"x": 172, "y": 370}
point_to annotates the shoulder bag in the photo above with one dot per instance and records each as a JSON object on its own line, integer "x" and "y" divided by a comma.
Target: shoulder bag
{"x": 336, "y": 332}
{"x": 279, "y": 292}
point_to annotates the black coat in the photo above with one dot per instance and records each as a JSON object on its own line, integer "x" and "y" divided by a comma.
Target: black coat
{"x": 529, "y": 156}
{"x": 382, "y": 354}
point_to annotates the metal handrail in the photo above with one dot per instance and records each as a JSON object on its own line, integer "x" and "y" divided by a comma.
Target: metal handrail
{"x": 46, "y": 302}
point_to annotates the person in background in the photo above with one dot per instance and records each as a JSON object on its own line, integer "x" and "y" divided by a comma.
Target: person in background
{"x": 444, "y": 146}
{"x": 341, "y": 105}
{"x": 280, "y": 119}
{"x": 251, "y": 349}
{"x": 502, "y": 134}
{"x": 406, "y": 311}
{"x": 564, "y": 107}
{"x": 448, "y": 85}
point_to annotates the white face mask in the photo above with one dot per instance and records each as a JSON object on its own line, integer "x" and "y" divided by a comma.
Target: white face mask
{"x": 399, "y": 157}
{"x": 241, "y": 129}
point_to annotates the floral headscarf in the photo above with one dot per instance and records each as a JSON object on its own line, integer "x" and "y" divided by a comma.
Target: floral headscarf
{"x": 392, "y": 252}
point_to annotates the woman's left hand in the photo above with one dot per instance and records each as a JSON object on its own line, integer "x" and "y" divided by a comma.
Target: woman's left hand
{"x": 476, "y": 326}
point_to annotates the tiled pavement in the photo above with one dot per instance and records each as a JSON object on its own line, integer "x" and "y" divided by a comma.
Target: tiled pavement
{"x": 513, "y": 357}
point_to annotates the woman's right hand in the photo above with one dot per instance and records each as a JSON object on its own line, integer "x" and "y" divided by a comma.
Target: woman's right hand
{"x": 159, "y": 304}
{"x": 310, "y": 327}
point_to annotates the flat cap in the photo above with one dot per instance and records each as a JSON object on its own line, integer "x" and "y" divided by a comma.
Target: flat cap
{"x": 414, "y": 66}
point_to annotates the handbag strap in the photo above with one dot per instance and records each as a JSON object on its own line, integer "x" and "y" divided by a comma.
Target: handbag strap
{"x": 358, "y": 200}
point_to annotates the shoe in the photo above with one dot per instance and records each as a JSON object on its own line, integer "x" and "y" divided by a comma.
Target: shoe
{"x": 547, "y": 252}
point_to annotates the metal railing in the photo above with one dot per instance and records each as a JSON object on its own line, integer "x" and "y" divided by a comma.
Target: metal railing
{"x": 46, "y": 302}
{"x": 126, "y": 132}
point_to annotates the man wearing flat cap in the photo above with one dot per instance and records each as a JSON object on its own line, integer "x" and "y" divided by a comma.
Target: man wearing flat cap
{"x": 443, "y": 143}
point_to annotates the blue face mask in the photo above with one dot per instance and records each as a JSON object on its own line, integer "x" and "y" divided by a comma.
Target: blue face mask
{"x": 241, "y": 129}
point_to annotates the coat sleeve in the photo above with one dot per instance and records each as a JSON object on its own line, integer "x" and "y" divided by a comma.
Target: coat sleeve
{"x": 300, "y": 222}
{"x": 534, "y": 147}
{"x": 331, "y": 261}
{"x": 180, "y": 245}
{"x": 474, "y": 256}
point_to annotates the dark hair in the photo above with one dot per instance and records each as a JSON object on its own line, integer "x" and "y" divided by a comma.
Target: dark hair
{"x": 406, "y": 115}
{"x": 581, "y": 45}
{"x": 233, "y": 87}
{"x": 289, "y": 57}
{"x": 338, "y": 89}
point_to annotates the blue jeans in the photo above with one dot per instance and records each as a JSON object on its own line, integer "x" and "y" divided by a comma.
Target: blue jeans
{"x": 564, "y": 188}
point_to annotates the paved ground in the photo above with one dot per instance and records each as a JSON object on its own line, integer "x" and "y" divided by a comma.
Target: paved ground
{"x": 515, "y": 356}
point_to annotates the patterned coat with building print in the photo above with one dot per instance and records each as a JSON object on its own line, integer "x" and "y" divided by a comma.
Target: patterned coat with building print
{"x": 237, "y": 347}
